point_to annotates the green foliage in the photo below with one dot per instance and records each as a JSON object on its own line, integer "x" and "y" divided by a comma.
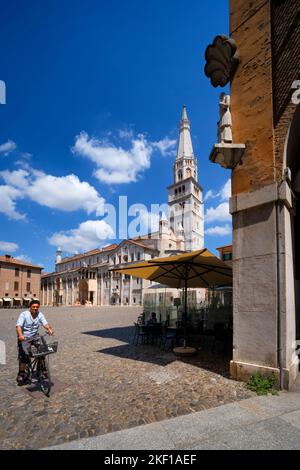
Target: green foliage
{"x": 262, "y": 385}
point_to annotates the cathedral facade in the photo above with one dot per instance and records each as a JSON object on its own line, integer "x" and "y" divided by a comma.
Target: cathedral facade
{"x": 86, "y": 279}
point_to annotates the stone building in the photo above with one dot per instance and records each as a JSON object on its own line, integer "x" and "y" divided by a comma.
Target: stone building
{"x": 87, "y": 279}
{"x": 20, "y": 282}
{"x": 265, "y": 187}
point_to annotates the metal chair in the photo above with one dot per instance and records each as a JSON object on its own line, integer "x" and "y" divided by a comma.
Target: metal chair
{"x": 140, "y": 334}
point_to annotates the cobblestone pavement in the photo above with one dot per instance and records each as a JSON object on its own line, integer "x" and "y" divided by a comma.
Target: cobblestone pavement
{"x": 106, "y": 383}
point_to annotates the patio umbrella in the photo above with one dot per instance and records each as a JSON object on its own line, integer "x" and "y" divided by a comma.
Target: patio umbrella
{"x": 195, "y": 269}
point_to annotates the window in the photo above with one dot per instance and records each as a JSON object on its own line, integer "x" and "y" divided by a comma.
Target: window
{"x": 16, "y": 286}
{"x": 132, "y": 256}
{"x": 17, "y": 271}
{"x": 138, "y": 256}
{"x": 28, "y": 286}
{"x": 28, "y": 272}
{"x": 227, "y": 256}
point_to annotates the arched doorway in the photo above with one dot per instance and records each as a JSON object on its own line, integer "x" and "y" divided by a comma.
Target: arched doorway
{"x": 83, "y": 291}
{"x": 293, "y": 163}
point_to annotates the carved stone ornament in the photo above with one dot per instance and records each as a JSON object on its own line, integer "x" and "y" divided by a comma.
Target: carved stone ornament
{"x": 221, "y": 60}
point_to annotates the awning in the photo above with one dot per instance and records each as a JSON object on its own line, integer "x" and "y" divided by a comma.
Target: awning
{"x": 6, "y": 299}
{"x": 18, "y": 299}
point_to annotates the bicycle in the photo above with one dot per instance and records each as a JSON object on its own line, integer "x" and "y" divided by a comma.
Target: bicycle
{"x": 38, "y": 351}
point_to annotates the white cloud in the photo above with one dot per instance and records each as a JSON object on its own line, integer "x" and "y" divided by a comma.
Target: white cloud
{"x": 66, "y": 193}
{"x": 219, "y": 230}
{"x": 224, "y": 193}
{"x": 219, "y": 213}
{"x": 24, "y": 258}
{"x": 117, "y": 165}
{"x": 8, "y": 247}
{"x": 210, "y": 195}
{"x": 8, "y": 196}
{"x": 166, "y": 146}
{"x": 17, "y": 178}
{"x": 7, "y": 147}
{"x": 87, "y": 236}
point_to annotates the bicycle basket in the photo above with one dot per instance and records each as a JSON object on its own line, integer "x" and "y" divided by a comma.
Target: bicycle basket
{"x": 52, "y": 347}
{"x": 38, "y": 348}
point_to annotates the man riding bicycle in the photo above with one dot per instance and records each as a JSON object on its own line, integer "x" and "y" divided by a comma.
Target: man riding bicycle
{"x": 27, "y": 327}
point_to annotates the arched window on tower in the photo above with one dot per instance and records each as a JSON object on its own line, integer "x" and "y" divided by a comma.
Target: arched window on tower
{"x": 188, "y": 173}
{"x": 180, "y": 175}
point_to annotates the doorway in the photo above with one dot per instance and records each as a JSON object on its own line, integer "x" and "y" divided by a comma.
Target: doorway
{"x": 293, "y": 163}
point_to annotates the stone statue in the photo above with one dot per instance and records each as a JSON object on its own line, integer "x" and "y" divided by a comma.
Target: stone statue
{"x": 225, "y": 123}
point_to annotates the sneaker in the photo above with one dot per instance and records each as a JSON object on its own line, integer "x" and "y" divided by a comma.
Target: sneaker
{"x": 20, "y": 379}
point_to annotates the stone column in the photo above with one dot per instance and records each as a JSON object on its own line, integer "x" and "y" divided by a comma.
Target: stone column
{"x": 255, "y": 294}
{"x": 121, "y": 289}
{"x": 67, "y": 292}
{"x": 130, "y": 291}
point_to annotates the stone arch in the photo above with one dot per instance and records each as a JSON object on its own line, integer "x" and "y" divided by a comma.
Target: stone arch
{"x": 83, "y": 291}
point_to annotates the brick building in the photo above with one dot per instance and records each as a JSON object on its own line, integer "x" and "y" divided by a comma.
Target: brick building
{"x": 19, "y": 282}
{"x": 266, "y": 188}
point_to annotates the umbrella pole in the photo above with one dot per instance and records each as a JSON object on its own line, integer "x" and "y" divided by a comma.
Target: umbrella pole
{"x": 185, "y": 307}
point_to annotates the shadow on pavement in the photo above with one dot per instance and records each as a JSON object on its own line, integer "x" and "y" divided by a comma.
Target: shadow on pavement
{"x": 216, "y": 361}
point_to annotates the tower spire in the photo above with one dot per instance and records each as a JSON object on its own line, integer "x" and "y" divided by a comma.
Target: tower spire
{"x": 185, "y": 147}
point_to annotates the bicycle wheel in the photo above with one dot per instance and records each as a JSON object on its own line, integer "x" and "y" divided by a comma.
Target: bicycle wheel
{"x": 44, "y": 378}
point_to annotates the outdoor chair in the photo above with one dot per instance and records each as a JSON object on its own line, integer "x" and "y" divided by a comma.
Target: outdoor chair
{"x": 157, "y": 333}
{"x": 140, "y": 334}
{"x": 171, "y": 337}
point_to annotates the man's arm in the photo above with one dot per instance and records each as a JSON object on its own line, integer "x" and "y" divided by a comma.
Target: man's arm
{"x": 46, "y": 325}
{"x": 49, "y": 329}
{"x": 21, "y": 337}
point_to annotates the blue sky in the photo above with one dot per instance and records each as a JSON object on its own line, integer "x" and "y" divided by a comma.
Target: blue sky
{"x": 94, "y": 97}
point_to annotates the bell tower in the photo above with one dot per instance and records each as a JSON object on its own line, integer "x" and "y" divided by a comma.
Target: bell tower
{"x": 185, "y": 194}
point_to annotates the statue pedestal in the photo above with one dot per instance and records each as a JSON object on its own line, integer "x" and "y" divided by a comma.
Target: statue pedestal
{"x": 227, "y": 155}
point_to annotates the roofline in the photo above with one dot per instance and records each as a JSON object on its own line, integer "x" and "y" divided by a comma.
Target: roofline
{"x": 17, "y": 262}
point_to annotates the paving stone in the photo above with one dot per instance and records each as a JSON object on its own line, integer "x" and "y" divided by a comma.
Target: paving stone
{"x": 103, "y": 383}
